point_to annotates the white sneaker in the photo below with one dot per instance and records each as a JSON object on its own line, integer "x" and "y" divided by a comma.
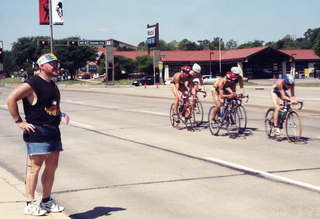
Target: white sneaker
{"x": 51, "y": 206}
{"x": 277, "y": 132}
{"x": 34, "y": 209}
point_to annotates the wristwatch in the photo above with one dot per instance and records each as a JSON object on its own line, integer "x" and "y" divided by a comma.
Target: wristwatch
{"x": 19, "y": 120}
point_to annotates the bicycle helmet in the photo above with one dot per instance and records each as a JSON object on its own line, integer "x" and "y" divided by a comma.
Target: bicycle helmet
{"x": 288, "y": 79}
{"x": 186, "y": 68}
{"x": 232, "y": 76}
{"x": 196, "y": 68}
{"x": 236, "y": 70}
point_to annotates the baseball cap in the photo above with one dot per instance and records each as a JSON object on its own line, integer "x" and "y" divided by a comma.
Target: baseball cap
{"x": 48, "y": 57}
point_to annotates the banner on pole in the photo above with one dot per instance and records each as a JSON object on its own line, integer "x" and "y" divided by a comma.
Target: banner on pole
{"x": 57, "y": 12}
{"x": 44, "y": 12}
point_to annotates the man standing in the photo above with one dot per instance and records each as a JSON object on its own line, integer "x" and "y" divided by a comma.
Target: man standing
{"x": 41, "y": 103}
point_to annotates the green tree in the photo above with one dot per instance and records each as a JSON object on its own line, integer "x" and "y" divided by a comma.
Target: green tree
{"x": 204, "y": 44}
{"x": 123, "y": 66}
{"x": 163, "y": 45}
{"x": 8, "y": 64}
{"x": 215, "y": 43}
{"x": 185, "y": 44}
{"x": 25, "y": 52}
{"x": 287, "y": 42}
{"x": 316, "y": 45}
{"x": 144, "y": 64}
{"x": 251, "y": 44}
{"x": 173, "y": 45}
{"x": 231, "y": 44}
{"x": 74, "y": 57}
{"x": 142, "y": 46}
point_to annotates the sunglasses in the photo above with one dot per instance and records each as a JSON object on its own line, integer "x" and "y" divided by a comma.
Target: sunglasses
{"x": 55, "y": 64}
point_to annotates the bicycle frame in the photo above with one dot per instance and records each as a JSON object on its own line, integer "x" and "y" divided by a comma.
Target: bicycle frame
{"x": 185, "y": 112}
{"x": 286, "y": 106}
{"x": 290, "y": 120}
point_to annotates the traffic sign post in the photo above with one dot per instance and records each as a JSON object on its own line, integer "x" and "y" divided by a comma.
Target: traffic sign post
{"x": 153, "y": 42}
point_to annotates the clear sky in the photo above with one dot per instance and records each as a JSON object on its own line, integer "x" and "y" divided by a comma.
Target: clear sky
{"x": 126, "y": 20}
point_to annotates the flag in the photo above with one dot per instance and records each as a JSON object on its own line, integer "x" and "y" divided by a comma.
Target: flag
{"x": 44, "y": 12}
{"x": 57, "y": 12}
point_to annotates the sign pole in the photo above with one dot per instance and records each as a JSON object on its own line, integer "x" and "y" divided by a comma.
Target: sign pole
{"x": 51, "y": 27}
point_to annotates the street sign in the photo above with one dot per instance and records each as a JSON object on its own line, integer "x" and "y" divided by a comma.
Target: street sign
{"x": 97, "y": 43}
{"x": 153, "y": 35}
{"x": 82, "y": 42}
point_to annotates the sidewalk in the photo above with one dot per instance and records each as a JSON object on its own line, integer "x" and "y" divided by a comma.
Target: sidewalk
{"x": 12, "y": 200}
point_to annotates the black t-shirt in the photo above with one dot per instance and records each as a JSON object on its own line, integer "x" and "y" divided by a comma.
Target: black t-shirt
{"x": 45, "y": 113}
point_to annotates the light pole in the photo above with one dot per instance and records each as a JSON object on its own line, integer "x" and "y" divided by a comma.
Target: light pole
{"x": 211, "y": 53}
{"x": 219, "y": 57}
{"x": 51, "y": 27}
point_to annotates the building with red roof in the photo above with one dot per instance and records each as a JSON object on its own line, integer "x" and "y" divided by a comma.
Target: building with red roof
{"x": 258, "y": 62}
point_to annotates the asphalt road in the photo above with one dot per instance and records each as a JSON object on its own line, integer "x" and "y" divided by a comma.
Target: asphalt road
{"x": 122, "y": 159}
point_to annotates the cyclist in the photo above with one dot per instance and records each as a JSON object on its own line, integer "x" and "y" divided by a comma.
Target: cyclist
{"x": 197, "y": 77}
{"x": 181, "y": 83}
{"x": 226, "y": 88}
{"x": 197, "y": 80}
{"x": 279, "y": 92}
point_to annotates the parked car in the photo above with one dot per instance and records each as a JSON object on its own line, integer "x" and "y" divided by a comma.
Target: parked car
{"x": 149, "y": 80}
{"x": 167, "y": 82}
{"x": 208, "y": 79}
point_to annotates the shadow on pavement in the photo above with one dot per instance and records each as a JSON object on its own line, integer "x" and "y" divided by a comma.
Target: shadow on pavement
{"x": 96, "y": 212}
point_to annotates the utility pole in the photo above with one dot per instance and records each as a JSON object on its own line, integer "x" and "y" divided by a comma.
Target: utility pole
{"x": 219, "y": 57}
{"x": 51, "y": 27}
{"x": 1, "y": 56}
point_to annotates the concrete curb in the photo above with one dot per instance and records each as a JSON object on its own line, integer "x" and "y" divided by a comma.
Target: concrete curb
{"x": 13, "y": 199}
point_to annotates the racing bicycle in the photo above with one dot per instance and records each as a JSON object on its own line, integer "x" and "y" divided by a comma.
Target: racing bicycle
{"x": 242, "y": 111}
{"x": 185, "y": 113}
{"x": 227, "y": 121}
{"x": 197, "y": 106}
{"x": 289, "y": 119}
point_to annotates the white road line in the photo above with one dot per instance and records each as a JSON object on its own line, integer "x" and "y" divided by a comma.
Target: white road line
{"x": 72, "y": 101}
{"x": 118, "y": 108}
{"x": 263, "y": 174}
{"x": 81, "y": 125}
{"x": 148, "y": 112}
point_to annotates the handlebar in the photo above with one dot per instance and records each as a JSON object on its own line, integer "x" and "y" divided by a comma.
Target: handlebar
{"x": 202, "y": 91}
{"x": 288, "y": 103}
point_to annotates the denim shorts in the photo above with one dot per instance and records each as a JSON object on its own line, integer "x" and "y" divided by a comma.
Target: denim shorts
{"x": 38, "y": 148}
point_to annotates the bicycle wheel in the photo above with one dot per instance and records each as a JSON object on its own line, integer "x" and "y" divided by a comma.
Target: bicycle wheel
{"x": 293, "y": 126}
{"x": 233, "y": 127}
{"x": 190, "y": 121}
{"x": 243, "y": 118}
{"x": 213, "y": 127}
{"x": 198, "y": 112}
{"x": 173, "y": 122}
{"x": 268, "y": 122}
